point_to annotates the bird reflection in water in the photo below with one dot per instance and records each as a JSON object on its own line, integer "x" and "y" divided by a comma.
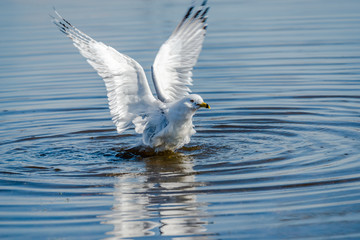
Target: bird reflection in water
{"x": 160, "y": 199}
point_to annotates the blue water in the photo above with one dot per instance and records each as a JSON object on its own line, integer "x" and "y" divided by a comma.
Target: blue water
{"x": 277, "y": 156}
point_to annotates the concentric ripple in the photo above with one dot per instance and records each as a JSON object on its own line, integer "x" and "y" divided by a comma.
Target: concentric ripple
{"x": 277, "y": 156}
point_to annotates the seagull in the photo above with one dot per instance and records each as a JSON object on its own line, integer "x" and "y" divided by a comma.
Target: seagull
{"x": 165, "y": 121}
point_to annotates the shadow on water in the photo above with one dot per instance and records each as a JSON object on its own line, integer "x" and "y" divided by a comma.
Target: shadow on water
{"x": 157, "y": 199}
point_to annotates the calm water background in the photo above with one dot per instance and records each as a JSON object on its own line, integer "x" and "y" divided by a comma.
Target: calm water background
{"x": 277, "y": 157}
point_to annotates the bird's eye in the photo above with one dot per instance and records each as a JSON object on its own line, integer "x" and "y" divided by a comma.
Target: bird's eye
{"x": 191, "y": 100}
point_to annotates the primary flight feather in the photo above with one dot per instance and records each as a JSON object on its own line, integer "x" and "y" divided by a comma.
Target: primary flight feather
{"x": 166, "y": 122}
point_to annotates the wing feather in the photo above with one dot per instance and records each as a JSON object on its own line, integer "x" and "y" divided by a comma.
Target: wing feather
{"x": 172, "y": 68}
{"x": 128, "y": 91}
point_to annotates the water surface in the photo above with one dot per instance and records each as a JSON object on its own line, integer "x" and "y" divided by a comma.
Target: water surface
{"x": 277, "y": 156}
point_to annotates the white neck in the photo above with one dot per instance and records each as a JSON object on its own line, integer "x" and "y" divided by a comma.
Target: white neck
{"x": 180, "y": 114}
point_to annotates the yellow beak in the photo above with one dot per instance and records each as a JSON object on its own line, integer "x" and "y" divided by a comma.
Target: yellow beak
{"x": 205, "y": 105}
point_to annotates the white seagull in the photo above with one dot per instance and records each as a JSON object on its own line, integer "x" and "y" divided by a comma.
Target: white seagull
{"x": 165, "y": 122}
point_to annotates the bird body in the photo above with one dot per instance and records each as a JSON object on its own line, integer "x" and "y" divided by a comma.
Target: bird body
{"x": 166, "y": 121}
{"x": 176, "y": 126}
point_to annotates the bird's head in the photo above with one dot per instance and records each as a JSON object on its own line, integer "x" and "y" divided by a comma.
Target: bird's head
{"x": 194, "y": 102}
{"x": 184, "y": 109}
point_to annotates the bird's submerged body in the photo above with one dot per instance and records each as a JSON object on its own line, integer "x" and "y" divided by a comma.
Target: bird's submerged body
{"x": 169, "y": 135}
{"x": 165, "y": 122}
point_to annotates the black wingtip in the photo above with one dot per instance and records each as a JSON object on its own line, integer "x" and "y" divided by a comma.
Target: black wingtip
{"x": 205, "y": 12}
{"x": 204, "y": 3}
{"x": 67, "y": 22}
{"x": 189, "y": 12}
{"x": 197, "y": 14}
{"x": 185, "y": 17}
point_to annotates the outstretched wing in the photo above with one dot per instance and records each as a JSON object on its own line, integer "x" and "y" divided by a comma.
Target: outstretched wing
{"x": 128, "y": 91}
{"x": 172, "y": 68}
